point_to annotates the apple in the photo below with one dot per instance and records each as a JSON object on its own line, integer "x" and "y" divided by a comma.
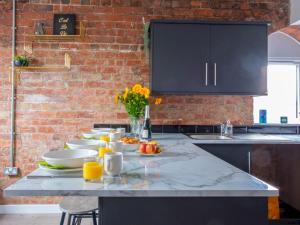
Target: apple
{"x": 157, "y": 150}
{"x": 143, "y": 147}
{"x": 149, "y": 149}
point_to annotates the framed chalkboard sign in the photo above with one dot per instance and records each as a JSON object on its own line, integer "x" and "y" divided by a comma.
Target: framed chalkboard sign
{"x": 64, "y": 24}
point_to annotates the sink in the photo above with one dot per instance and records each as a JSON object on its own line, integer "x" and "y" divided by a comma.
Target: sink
{"x": 264, "y": 137}
{"x": 250, "y": 137}
{"x": 209, "y": 137}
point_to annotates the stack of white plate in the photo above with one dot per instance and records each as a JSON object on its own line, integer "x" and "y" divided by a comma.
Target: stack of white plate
{"x": 86, "y": 144}
{"x": 69, "y": 160}
{"x": 95, "y": 135}
{"x": 97, "y": 130}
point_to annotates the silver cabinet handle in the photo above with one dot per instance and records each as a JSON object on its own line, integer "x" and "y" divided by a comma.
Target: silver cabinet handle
{"x": 249, "y": 162}
{"x": 206, "y": 74}
{"x": 215, "y": 75}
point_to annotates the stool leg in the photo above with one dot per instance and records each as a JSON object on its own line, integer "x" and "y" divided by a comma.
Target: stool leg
{"x": 94, "y": 218}
{"x": 62, "y": 219}
{"x": 74, "y": 221}
{"x": 69, "y": 219}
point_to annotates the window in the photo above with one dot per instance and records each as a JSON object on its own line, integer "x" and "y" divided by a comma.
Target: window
{"x": 282, "y": 99}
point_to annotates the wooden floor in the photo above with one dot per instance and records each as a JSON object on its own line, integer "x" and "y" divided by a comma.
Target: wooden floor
{"x": 38, "y": 219}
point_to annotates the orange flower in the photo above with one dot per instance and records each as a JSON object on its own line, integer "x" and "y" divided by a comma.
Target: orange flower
{"x": 146, "y": 92}
{"x": 158, "y": 101}
{"x": 125, "y": 93}
{"x": 136, "y": 88}
{"x": 116, "y": 98}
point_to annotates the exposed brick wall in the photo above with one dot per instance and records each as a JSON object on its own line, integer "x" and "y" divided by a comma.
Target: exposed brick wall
{"x": 54, "y": 107}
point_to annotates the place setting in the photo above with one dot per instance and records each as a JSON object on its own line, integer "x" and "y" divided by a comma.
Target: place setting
{"x": 98, "y": 153}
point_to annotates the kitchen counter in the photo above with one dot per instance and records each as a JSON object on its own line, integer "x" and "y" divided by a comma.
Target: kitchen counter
{"x": 182, "y": 170}
{"x": 251, "y": 138}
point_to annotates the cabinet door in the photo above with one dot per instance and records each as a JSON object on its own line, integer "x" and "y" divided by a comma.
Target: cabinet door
{"x": 239, "y": 58}
{"x": 236, "y": 155}
{"x": 180, "y": 53}
{"x": 264, "y": 163}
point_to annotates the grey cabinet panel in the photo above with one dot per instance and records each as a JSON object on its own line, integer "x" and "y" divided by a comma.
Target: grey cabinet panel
{"x": 236, "y": 155}
{"x": 209, "y": 58}
{"x": 179, "y": 56}
{"x": 279, "y": 166}
{"x": 239, "y": 58}
{"x": 183, "y": 210}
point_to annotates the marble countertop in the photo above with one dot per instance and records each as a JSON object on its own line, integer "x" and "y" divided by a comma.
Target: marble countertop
{"x": 182, "y": 170}
{"x": 252, "y": 138}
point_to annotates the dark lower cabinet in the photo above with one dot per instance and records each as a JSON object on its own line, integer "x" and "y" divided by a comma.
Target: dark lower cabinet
{"x": 236, "y": 155}
{"x": 183, "y": 211}
{"x": 264, "y": 163}
{"x": 278, "y": 165}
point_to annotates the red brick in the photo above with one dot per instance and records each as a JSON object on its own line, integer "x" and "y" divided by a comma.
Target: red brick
{"x": 46, "y": 130}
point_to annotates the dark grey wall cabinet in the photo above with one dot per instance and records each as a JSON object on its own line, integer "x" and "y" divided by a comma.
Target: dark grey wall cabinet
{"x": 190, "y": 57}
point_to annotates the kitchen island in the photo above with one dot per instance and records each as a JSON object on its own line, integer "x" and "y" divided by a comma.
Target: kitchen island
{"x": 183, "y": 185}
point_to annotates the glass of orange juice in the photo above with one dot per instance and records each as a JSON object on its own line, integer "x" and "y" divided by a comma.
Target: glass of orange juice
{"x": 105, "y": 138}
{"x": 103, "y": 151}
{"x": 92, "y": 171}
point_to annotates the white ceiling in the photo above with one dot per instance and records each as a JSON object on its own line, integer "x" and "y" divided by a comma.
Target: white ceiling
{"x": 283, "y": 47}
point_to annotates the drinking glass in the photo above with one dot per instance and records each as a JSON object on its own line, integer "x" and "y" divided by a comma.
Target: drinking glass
{"x": 105, "y": 138}
{"x": 92, "y": 170}
{"x": 104, "y": 150}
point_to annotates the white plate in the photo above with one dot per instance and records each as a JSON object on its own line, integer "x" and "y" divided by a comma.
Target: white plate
{"x": 60, "y": 172}
{"x": 97, "y": 130}
{"x": 143, "y": 154}
{"x": 86, "y": 144}
{"x": 69, "y": 158}
{"x": 130, "y": 147}
{"x": 95, "y": 135}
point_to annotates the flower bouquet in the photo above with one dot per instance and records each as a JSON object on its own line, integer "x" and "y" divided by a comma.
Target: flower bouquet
{"x": 135, "y": 99}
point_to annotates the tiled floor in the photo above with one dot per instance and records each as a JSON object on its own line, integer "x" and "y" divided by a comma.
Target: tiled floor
{"x": 38, "y": 219}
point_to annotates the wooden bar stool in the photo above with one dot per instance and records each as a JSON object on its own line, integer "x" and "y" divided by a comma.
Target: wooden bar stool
{"x": 78, "y": 208}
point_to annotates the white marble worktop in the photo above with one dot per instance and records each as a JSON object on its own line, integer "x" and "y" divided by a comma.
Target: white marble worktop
{"x": 252, "y": 138}
{"x": 182, "y": 170}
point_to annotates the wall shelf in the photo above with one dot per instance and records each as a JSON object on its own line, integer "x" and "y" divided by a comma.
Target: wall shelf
{"x": 53, "y": 38}
{"x": 65, "y": 67}
{"x": 57, "y": 38}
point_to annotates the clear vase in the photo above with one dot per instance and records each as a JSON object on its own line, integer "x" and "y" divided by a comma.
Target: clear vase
{"x": 135, "y": 126}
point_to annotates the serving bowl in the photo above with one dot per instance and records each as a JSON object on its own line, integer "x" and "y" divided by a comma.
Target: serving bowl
{"x": 95, "y": 135}
{"x": 130, "y": 147}
{"x": 86, "y": 144}
{"x": 69, "y": 158}
{"x": 97, "y": 130}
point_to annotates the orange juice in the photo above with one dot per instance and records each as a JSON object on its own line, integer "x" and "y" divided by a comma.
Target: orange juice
{"x": 92, "y": 171}
{"x": 105, "y": 138}
{"x": 103, "y": 151}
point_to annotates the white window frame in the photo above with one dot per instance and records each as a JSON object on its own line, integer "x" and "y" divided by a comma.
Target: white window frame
{"x": 297, "y": 64}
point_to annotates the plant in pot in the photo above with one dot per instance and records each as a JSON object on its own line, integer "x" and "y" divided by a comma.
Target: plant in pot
{"x": 21, "y": 60}
{"x": 135, "y": 99}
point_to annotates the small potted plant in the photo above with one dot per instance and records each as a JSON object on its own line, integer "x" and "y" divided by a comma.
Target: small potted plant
{"x": 21, "y": 60}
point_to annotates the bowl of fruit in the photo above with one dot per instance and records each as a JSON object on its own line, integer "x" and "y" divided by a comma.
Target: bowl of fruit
{"x": 130, "y": 144}
{"x": 149, "y": 149}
